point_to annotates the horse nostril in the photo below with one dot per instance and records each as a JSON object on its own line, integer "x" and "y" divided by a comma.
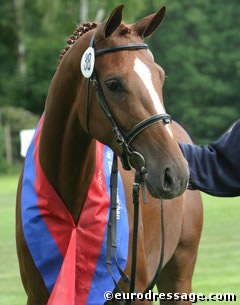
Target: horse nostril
{"x": 168, "y": 180}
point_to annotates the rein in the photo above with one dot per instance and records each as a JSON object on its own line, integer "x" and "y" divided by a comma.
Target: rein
{"x": 124, "y": 139}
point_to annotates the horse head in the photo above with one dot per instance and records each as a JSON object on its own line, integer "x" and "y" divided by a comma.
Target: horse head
{"x": 124, "y": 90}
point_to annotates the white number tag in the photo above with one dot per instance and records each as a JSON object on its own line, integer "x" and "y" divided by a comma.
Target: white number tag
{"x": 87, "y": 62}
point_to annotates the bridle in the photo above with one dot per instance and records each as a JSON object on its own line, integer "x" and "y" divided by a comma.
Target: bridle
{"x": 124, "y": 139}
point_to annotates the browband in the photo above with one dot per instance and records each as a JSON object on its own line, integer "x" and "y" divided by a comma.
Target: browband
{"x": 131, "y": 46}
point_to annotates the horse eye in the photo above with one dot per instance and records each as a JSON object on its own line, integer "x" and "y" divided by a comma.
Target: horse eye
{"x": 114, "y": 85}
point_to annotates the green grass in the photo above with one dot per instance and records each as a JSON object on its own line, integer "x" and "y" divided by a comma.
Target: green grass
{"x": 11, "y": 290}
{"x": 218, "y": 264}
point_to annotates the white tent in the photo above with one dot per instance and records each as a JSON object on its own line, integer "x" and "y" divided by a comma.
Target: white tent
{"x": 26, "y": 136}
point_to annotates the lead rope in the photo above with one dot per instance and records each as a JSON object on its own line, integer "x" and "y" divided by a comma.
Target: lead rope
{"x": 112, "y": 226}
{"x": 135, "y": 195}
{"x": 112, "y": 231}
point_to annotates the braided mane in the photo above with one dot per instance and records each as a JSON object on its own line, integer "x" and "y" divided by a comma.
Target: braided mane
{"x": 79, "y": 31}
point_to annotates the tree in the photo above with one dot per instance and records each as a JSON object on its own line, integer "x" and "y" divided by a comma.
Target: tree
{"x": 197, "y": 45}
{"x": 8, "y": 54}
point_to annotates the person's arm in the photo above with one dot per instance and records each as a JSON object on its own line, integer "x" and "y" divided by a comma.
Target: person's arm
{"x": 215, "y": 168}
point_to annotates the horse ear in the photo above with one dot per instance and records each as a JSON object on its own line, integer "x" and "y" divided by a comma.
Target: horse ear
{"x": 146, "y": 26}
{"x": 113, "y": 21}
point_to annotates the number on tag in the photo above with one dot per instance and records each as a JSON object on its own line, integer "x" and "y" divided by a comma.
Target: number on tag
{"x": 87, "y": 62}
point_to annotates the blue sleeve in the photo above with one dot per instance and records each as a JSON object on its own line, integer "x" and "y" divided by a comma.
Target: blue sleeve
{"x": 215, "y": 168}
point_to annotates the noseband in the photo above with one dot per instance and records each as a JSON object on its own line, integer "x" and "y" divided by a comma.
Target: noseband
{"x": 124, "y": 139}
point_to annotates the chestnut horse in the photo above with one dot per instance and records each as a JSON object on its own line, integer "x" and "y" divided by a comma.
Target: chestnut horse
{"x": 117, "y": 89}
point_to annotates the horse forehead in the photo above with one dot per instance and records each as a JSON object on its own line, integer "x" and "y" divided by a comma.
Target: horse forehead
{"x": 142, "y": 68}
{"x": 144, "y": 73}
{"x": 124, "y": 61}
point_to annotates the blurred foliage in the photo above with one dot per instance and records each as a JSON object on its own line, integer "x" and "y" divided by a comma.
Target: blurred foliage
{"x": 197, "y": 45}
{"x": 17, "y": 119}
{"x": 3, "y": 163}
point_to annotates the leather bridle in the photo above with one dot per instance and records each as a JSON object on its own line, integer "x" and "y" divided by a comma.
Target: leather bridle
{"x": 124, "y": 139}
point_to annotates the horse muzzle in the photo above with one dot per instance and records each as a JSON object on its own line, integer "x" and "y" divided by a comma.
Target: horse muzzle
{"x": 167, "y": 182}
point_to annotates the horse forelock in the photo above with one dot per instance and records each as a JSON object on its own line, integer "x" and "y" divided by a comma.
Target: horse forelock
{"x": 124, "y": 29}
{"x": 78, "y": 32}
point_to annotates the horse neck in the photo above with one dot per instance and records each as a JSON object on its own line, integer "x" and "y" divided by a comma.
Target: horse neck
{"x": 66, "y": 152}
